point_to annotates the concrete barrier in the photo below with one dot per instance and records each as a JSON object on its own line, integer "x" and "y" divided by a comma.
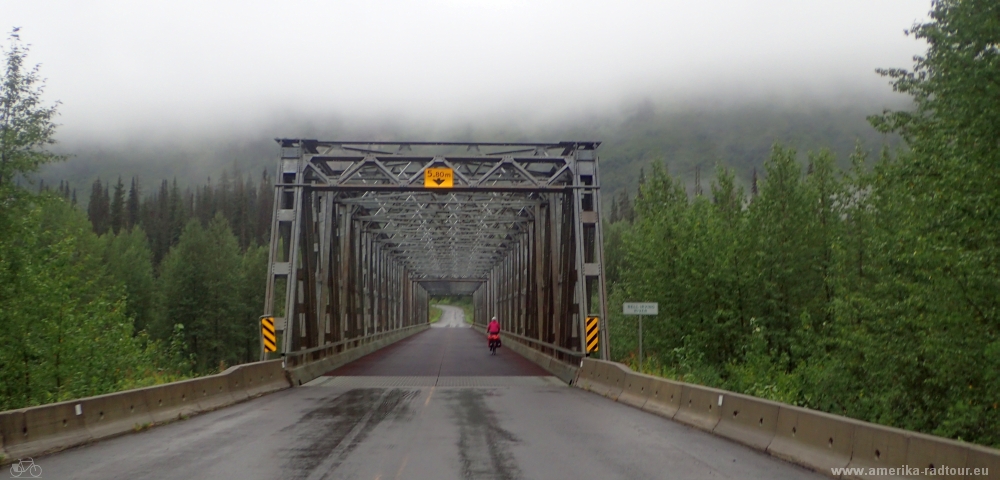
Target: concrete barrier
{"x": 212, "y": 392}
{"x": 636, "y": 390}
{"x": 585, "y": 375}
{"x": 927, "y": 451}
{"x": 47, "y": 428}
{"x": 172, "y": 401}
{"x": 748, "y": 420}
{"x": 665, "y": 398}
{"x": 236, "y": 383}
{"x": 816, "y": 440}
{"x": 263, "y": 377}
{"x": 114, "y": 413}
{"x": 877, "y": 446}
{"x": 608, "y": 380}
{"x": 701, "y": 407}
{"x": 12, "y": 431}
{"x": 983, "y": 458}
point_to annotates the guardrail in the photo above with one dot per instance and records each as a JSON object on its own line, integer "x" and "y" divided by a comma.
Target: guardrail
{"x": 295, "y": 359}
{"x": 540, "y": 343}
{"x": 813, "y": 439}
{"x": 48, "y": 428}
{"x": 300, "y": 373}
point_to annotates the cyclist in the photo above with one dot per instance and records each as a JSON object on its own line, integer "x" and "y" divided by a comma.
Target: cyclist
{"x": 494, "y": 326}
{"x": 493, "y": 334}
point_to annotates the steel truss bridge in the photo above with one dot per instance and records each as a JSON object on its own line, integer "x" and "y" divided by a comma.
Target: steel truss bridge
{"x": 359, "y": 242}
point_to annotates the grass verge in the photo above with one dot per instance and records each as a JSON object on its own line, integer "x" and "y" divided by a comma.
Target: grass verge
{"x": 435, "y": 313}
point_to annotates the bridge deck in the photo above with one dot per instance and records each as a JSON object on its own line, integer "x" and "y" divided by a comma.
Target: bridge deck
{"x": 391, "y": 416}
{"x": 441, "y": 352}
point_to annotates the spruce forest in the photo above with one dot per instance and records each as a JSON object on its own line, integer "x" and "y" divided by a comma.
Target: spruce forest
{"x": 870, "y": 292}
{"x": 137, "y": 290}
{"x": 141, "y": 289}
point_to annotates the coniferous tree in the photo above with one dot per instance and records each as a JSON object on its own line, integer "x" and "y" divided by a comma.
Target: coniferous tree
{"x": 106, "y": 207}
{"x": 204, "y": 203}
{"x": 118, "y": 219}
{"x": 132, "y": 205}
{"x": 130, "y": 262}
{"x": 239, "y": 218}
{"x": 222, "y": 195}
{"x": 197, "y": 283}
{"x": 159, "y": 228}
{"x": 265, "y": 202}
{"x": 177, "y": 214}
{"x": 625, "y": 206}
{"x": 97, "y": 210}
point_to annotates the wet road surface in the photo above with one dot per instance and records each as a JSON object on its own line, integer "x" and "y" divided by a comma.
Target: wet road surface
{"x": 434, "y": 406}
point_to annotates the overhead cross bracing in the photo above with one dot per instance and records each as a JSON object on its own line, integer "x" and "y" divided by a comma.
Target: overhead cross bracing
{"x": 367, "y": 240}
{"x": 457, "y": 235}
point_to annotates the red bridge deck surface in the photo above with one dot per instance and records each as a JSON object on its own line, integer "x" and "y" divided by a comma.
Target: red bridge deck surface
{"x": 441, "y": 352}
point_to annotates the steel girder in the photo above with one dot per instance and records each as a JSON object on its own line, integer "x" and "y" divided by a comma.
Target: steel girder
{"x": 358, "y": 240}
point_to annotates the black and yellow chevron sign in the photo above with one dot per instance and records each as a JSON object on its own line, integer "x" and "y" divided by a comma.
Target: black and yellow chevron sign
{"x": 592, "y": 333}
{"x": 267, "y": 333}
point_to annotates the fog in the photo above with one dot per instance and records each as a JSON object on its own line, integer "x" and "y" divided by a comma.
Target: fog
{"x": 130, "y": 70}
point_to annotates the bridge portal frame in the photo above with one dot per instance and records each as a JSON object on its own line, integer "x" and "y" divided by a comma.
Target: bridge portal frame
{"x": 359, "y": 243}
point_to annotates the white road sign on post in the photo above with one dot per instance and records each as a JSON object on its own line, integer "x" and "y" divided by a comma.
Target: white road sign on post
{"x": 643, "y": 308}
{"x": 640, "y": 309}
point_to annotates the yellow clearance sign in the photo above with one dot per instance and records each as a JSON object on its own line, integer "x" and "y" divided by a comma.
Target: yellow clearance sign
{"x": 438, "y": 178}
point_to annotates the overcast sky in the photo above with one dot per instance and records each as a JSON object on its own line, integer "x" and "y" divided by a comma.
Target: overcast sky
{"x": 123, "y": 68}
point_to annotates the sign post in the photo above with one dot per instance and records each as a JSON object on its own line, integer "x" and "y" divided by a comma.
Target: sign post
{"x": 641, "y": 309}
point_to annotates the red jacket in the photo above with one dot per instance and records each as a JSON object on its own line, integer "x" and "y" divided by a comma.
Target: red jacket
{"x": 493, "y": 327}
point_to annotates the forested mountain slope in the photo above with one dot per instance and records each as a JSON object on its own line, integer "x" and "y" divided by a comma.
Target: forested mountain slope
{"x": 736, "y": 136}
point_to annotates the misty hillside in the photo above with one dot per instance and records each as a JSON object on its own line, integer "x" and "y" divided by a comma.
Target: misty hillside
{"x": 738, "y": 137}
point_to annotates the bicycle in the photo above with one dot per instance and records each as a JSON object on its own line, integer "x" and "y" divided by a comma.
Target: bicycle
{"x": 22, "y": 466}
{"x": 494, "y": 342}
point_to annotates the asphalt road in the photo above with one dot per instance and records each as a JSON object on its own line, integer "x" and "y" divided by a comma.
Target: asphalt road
{"x": 442, "y": 352}
{"x": 451, "y": 317}
{"x": 434, "y": 406}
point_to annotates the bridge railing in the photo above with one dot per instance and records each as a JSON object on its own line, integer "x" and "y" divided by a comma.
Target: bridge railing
{"x": 305, "y": 365}
{"x": 302, "y": 357}
{"x": 543, "y": 346}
